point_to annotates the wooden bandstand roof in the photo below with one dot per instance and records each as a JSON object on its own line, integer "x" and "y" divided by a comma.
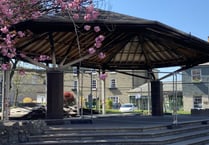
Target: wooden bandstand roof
{"x": 130, "y": 43}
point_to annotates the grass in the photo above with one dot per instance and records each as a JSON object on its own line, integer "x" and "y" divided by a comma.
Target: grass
{"x": 145, "y": 112}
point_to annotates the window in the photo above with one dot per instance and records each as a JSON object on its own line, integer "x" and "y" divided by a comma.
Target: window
{"x": 34, "y": 79}
{"x": 115, "y": 102}
{"x": 112, "y": 83}
{"x": 74, "y": 71}
{"x": 94, "y": 84}
{"x": 132, "y": 99}
{"x": 196, "y": 75}
{"x": 112, "y": 72}
{"x": 114, "y": 99}
{"x": 94, "y": 72}
{"x": 75, "y": 84}
{"x": 197, "y": 102}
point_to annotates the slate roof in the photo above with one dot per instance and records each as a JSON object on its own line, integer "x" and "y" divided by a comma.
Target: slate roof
{"x": 130, "y": 43}
{"x": 168, "y": 87}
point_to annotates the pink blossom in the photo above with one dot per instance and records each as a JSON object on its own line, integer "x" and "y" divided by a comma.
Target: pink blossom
{"x": 22, "y": 55}
{"x": 87, "y": 27}
{"x": 100, "y": 38}
{"x": 34, "y": 1}
{"x": 21, "y": 72}
{"x": 77, "y": 1}
{"x": 21, "y": 34}
{"x": 74, "y": 5}
{"x": 97, "y": 29}
{"x": 13, "y": 12}
{"x": 35, "y": 15}
{"x": 103, "y": 76}
{"x": 12, "y": 49}
{"x": 43, "y": 58}
{"x": 7, "y": 39}
{"x": 4, "y": 51}
{"x": 71, "y": 5}
{"x": 95, "y": 14}
{"x": 101, "y": 55}
{"x": 5, "y": 66}
{"x": 8, "y": 13}
{"x": 8, "y": 42}
{"x": 87, "y": 17}
{"x": 92, "y": 50}
{"x": 90, "y": 8}
{"x": 10, "y": 55}
{"x": 75, "y": 16}
{"x": 58, "y": 1}
{"x": 98, "y": 44}
{"x": 4, "y": 29}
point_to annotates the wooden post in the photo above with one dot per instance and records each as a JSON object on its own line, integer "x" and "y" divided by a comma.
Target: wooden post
{"x": 103, "y": 96}
{"x": 157, "y": 98}
{"x": 55, "y": 94}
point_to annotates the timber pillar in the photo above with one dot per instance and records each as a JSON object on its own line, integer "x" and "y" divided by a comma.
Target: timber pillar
{"x": 55, "y": 94}
{"x": 157, "y": 98}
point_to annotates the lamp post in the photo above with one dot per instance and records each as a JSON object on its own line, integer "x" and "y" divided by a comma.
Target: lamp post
{"x": 208, "y": 88}
{"x": 175, "y": 119}
{"x": 90, "y": 96}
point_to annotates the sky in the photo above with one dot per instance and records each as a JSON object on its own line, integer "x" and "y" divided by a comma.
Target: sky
{"x": 190, "y": 16}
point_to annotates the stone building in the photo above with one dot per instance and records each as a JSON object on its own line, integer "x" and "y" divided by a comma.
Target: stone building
{"x": 172, "y": 95}
{"x": 33, "y": 85}
{"x": 116, "y": 84}
{"x": 195, "y": 84}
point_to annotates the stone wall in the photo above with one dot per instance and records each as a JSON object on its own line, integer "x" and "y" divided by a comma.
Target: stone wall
{"x": 12, "y": 132}
{"x": 200, "y": 112}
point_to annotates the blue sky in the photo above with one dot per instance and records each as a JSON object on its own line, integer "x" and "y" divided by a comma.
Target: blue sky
{"x": 190, "y": 16}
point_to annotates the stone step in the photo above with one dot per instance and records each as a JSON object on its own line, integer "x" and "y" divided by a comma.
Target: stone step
{"x": 152, "y": 138}
{"x": 151, "y": 141}
{"x": 119, "y": 135}
{"x": 52, "y": 130}
{"x": 90, "y": 129}
{"x": 195, "y": 141}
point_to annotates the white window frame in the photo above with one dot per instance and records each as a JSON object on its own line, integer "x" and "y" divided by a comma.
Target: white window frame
{"x": 196, "y": 75}
{"x": 75, "y": 71}
{"x": 94, "y": 84}
{"x": 197, "y": 102}
{"x": 75, "y": 84}
{"x": 113, "y": 72}
{"x": 115, "y": 99}
{"x": 113, "y": 83}
{"x": 94, "y": 72}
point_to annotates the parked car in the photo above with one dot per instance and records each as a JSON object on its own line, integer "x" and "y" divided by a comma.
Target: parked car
{"x": 127, "y": 107}
{"x": 28, "y": 111}
{"x": 70, "y": 111}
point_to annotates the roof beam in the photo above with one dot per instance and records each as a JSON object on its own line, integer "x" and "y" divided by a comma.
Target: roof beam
{"x": 36, "y": 62}
{"x": 53, "y": 55}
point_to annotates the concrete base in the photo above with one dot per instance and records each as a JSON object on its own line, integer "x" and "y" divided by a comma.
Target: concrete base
{"x": 200, "y": 112}
{"x": 55, "y": 122}
{"x": 174, "y": 126}
{"x": 204, "y": 122}
{"x": 81, "y": 121}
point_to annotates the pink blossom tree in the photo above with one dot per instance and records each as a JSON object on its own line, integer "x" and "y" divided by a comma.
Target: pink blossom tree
{"x": 16, "y": 11}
